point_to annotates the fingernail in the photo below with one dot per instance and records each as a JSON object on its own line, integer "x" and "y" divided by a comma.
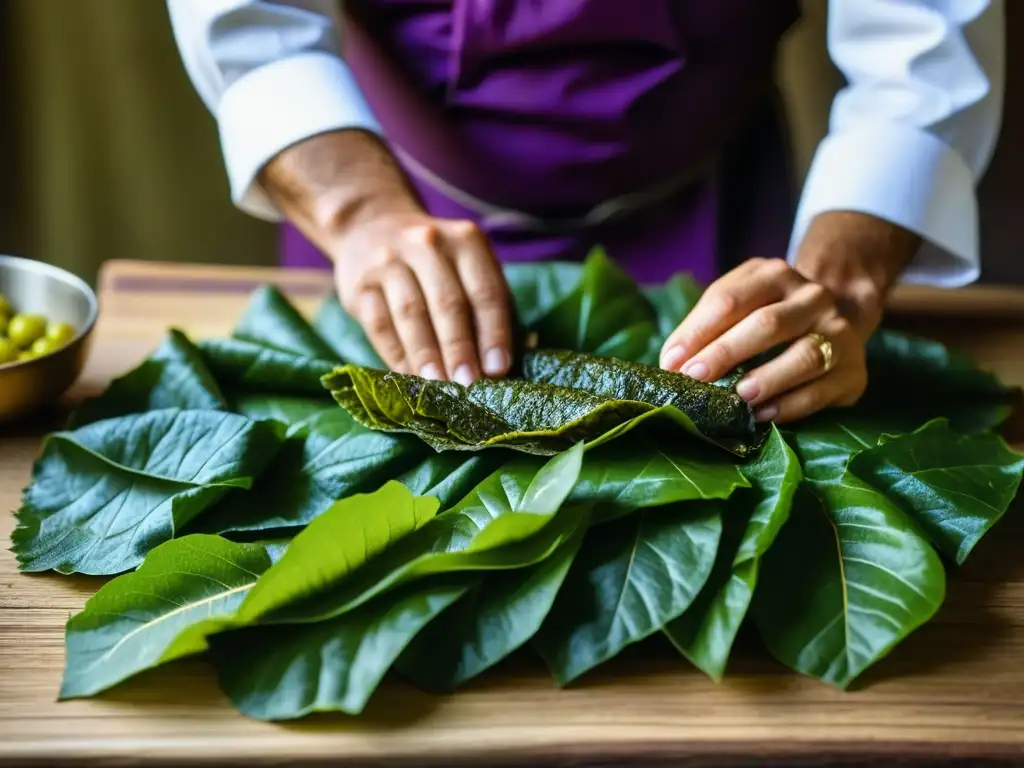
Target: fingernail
{"x": 673, "y": 357}
{"x": 495, "y": 362}
{"x": 767, "y": 413}
{"x": 696, "y": 370}
{"x": 748, "y": 389}
{"x": 432, "y": 371}
{"x": 464, "y": 375}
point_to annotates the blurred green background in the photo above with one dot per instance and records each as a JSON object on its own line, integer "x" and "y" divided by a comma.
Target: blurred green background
{"x": 106, "y": 150}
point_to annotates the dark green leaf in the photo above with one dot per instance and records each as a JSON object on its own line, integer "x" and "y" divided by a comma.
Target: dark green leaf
{"x": 270, "y": 320}
{"x": 509, "y": 521}
{"x": 104, "y": 495}
{"x": 706, "y": 632}
{"x": 827, "y": 442}
{"x": 673, "y": 301}
{"x": 344, "y": 335}
{"x": 286, "y": 409}
{"x": 630, "y": 578}
{"x": 849, "y": 577}
{"x": 714, "y": 411}
{"x": 955, "y": 486}
{"x": 449, "y": 477}
{"x": 605, "y": 301}
{"x": 326, "y": 458}
{"x": 285, "y": 672}
{"x": 497, "y": 617}
{"x": 244, "y": 367}
{"x": 933, "y": 382}
{"x": 174, "y": 376}
{"x": 628, "y": 475}
{"x": 539, "y": 288}
{"x": 578, "y": 397}
{"x": 184, "y": 590}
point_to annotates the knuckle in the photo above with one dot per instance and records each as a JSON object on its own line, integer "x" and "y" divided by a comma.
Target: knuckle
{"x": 410, "y": 308}
{"x": 465, "y": 228}
{"x": 841, "y": 329}
{"x": 809, "y": 356}
{"x": 377, "y": 324}
{"x": 770, "y": 322}
{"x": 489, "y": 295}
{"x": 817, "y": 294}
{"x": 719, "y": 356}
{"x": 725, "y": 303}
{"x": 422, "y": 234}
{"x": 775, "y": 268}
{"x": 452, "y": 303}
{"x": 812, "y": 400}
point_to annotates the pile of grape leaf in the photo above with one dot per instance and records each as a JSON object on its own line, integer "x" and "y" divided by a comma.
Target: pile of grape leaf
{"x": 306, "y": 548}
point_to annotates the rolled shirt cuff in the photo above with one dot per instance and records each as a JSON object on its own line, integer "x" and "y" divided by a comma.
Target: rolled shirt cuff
{"x": 906, "y": 176}
{"x": 277, "y": 105}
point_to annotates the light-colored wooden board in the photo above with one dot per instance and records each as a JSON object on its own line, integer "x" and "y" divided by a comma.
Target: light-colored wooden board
{"x": 955, "y": 688}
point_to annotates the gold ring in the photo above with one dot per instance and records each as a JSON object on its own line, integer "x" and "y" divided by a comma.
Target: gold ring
{"x": 824, "y": 348}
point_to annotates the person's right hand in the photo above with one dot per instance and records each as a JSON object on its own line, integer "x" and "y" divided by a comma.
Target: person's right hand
{"x": 429, "y": 293}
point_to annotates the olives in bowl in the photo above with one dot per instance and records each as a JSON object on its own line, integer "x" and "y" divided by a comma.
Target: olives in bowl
{"x": 24, "y": 336}
{"x": 46, "y": 318}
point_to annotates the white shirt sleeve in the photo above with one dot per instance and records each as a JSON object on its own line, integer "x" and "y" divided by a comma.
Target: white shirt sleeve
{"x": 916, "y": 126}
{"x": 271, "y": 73}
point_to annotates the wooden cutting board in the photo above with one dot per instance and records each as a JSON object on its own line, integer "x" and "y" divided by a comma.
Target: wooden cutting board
{"x": 954, "y": 690}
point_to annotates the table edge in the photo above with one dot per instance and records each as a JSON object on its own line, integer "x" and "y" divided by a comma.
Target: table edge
{"x": 134, "y": 275}
{"x": 717, "y": 753}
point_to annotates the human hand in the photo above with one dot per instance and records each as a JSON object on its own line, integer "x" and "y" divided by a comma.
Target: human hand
{"x": 756, "y": 307}
{"x": 826, "y": 307}
{"x": 429, "y": 293}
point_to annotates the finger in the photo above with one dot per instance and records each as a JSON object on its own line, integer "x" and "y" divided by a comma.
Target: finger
{"x": 447, "y": 304}
{"x": 732, "y": 297}
{"x": 800, "y": 363}
{"x": 762, "y": 330}
{"x": 835, "y": 388}
{"x": 373, "y": 315}
{"x": 411, "y": 317}
{"x": 488, "y": 297}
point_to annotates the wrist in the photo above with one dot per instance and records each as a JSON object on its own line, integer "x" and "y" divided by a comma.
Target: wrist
{"x": 859, "y": 258}
{"x": 335, "y": 183}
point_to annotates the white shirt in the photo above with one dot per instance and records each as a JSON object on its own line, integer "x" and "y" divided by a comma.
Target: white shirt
{"x": 909, "y": 136}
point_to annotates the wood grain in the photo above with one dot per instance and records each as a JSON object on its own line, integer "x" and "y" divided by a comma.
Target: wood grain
{"x": 953, "y": 693}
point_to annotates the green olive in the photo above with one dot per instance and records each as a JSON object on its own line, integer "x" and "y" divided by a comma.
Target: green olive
{"x": 6, "y": 310}
{"x": 26, "y": 355}
{"x": 8, "y": 352}
{"x": 25, "y": 329}
{"x": 3, "y": 324}
{"x": 60, "y": 333}
{"x": 43, "y": 346}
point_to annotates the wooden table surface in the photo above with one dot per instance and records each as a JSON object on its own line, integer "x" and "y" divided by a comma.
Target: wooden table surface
{"x": 953, "y": 692}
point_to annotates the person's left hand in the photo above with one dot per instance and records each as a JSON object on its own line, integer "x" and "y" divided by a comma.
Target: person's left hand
{"x": 756, "y": 307}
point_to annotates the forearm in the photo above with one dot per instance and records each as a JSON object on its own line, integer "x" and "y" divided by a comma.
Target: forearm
{"x": 329, "y": 183}
{"x": 272, "y": 73}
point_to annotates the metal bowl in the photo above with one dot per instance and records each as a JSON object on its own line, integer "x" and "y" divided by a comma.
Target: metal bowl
{"x": 38, "y": 288}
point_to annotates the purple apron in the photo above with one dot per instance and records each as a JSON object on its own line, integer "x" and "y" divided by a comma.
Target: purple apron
{"x": 579, "y": 122}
